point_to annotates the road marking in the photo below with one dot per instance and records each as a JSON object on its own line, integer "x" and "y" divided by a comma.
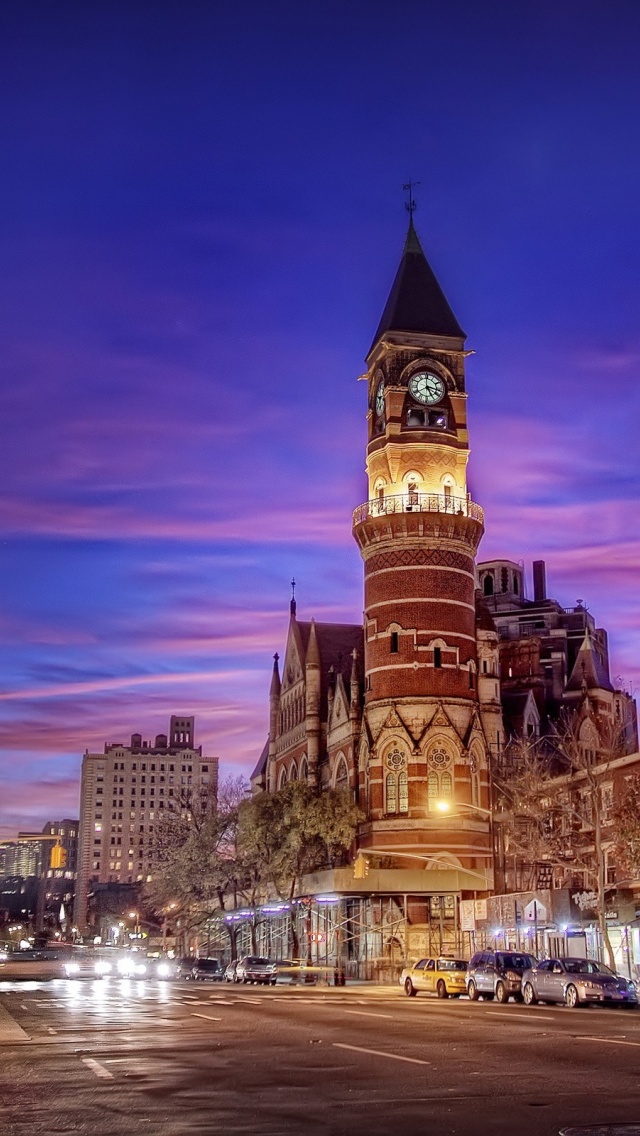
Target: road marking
{"x": 209, "y": 1017}
{"x": 369, "y": 1014}
{"x": 49, "y": 1030}
{"x": 23, "y": 1007}
{"x": 97, "y": 1068}
{"x": 380, "y": 1053}
{"x": 607, "y": 1040}
{"x": 219, "y": 1002}
{"x": 250, "y": 1001}
{"x": 513, "y": 1014}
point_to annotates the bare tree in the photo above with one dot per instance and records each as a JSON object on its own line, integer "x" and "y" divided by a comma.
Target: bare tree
{"x": 553, "y": 808}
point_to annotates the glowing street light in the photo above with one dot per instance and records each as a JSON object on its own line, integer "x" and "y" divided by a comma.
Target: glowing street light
{"x": 445, "y": 807}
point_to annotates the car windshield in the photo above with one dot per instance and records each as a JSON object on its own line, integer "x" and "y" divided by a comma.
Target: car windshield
{"x": 451, "y": 964}
{"x": 255, "y": 961}
{"x": 515, "y": 961}
{"x": 586, "y": 966}
{"x": 208, "y": 964}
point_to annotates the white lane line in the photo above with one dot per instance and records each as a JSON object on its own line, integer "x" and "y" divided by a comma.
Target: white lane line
{"x": 249, "y": 1001}
{"x": 49, "y": 1030}
{"x": 209, "y": 1017}
{"x": 23, "y": 1007}
{"x": 512, "y": 1014}
{"x": 219, "y": 1002}
{"x": 380, "y": 1053}
{"x": 97, "y": 1068}
{"x": 606, "y": 1040}
{"x": 369, "y": 1014}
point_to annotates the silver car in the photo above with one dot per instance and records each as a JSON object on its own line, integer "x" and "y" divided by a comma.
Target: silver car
{"x": 255, "y": 968}
{"x": 576, "y": 981}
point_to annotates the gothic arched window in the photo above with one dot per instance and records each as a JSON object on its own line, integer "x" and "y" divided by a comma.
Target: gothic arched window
{"x": 391, "y": 803}
{"x": 342, "y": 775}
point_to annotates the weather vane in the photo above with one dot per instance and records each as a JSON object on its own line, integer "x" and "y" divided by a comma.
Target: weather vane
{"x": 411, "y": 204}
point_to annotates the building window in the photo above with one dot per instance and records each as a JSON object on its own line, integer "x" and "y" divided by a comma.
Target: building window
{"x": 487, "y": 585}
{"x": 437, "y": 656}
{"x": 391, "y": 794}
{"x": 403, "y": 793}
{"x": 393, "y": 646}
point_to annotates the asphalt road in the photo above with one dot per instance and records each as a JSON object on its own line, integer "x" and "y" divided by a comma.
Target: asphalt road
{"x": 113, "y": 1056}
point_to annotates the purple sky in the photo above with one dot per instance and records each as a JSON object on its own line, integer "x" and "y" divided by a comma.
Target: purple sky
{"x": 200, "y": 219}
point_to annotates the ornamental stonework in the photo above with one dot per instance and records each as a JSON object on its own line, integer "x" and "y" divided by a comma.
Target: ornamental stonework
{"x": 406, "y": 558}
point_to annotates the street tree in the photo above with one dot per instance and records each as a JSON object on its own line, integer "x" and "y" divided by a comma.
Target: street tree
{"x": 195, "y": 873}
{"x": 295, "y": 831}
{"x": 627, "y": 822}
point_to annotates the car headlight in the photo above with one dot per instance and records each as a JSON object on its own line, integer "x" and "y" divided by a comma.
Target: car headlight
{"x": 631, "y": 985}
{"x": 72, "y": 968}
{"x": 591, "y": 986}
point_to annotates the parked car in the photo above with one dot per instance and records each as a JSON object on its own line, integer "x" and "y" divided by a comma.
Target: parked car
{"x": 441, "y": 976}
{"x": 206, "y": 970}
{"x": 182, "y": 967}
{"x": 577, "y": 981}
{"x": 497, "y": 974}
{"x": 255, "y": 968}
{"x": 230, "y": 972}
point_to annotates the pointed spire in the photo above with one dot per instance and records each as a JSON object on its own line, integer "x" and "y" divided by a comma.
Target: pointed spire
{"x": 589, "y": 671}
{"x": 274, "y": 689}
{"x": 416, "y": 301}
{"x": 313, "y": 654}
{"x": 292, "y": 602}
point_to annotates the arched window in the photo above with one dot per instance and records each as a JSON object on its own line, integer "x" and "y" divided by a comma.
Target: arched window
{"x": 282, "y": 778}
{"x": 391, "y": 793}
{"x": 304, "y": 770}
{"x": 440, "y": 778}
{"x": 293, "y": 772}
{"x": 487, "y": 584}
{"x": 342, "y": 775}
{"x": 433, "y": 790}
{"x": 446, "y": 786}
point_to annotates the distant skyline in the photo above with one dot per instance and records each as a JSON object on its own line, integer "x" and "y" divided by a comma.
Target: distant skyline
{"x": 201, "y": 215}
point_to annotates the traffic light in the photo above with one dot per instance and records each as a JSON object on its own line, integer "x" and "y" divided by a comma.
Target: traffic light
{"x": 58, "y": 856}
{"x": 360, "y": 867}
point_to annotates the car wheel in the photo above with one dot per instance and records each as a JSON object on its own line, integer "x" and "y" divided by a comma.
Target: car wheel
{"x": 571, "y": 997}
{"x": 441, "y": 990}
{"x": 409, "y": 988}
{"x": 501, "y": 993}
{"x": 472, "y": 991}
{"x": 529, "y": 995}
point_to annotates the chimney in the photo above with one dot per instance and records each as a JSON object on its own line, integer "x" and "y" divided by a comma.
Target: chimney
{"x": 539, "y": 581}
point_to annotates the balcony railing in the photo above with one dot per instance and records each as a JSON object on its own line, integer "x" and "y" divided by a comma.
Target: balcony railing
{"x": 418, "y": 503}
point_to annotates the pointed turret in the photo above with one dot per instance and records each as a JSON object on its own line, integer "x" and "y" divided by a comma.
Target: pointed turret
{"x": 416, "y": 301}
{"x": 274, "y": 689}
{"x": 354, "y": 684}
{"x": 313, "y": 686}
{"x": 589, "y": 672}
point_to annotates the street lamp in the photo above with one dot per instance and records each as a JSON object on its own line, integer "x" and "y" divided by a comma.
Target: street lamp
{"x": 445, "y": 806}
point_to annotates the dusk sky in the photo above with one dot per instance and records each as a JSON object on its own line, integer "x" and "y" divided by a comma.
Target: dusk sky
{"x": 201, "y": 213}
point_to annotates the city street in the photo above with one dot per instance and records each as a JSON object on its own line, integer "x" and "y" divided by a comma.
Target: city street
{"x": 114, "y": 1057}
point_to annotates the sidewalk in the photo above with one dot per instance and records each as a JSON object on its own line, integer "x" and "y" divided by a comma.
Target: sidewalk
{"x": 10, "y": 1031}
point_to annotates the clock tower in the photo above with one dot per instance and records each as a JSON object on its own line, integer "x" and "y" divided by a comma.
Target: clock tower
{"x": 424, "y": 753}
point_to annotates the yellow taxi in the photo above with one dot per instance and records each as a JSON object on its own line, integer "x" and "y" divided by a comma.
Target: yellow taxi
{"x": 443, "y": 976}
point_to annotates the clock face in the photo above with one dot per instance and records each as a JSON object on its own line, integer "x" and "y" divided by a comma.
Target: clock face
{"x": 380, "y": 399}
{"x": 426, "y": 387}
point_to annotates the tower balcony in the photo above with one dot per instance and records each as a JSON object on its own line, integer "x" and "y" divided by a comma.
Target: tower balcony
{"x": 400, "y": 517}
{"x": 418, "y": 503}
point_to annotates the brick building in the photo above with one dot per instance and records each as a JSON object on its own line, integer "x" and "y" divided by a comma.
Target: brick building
{"x": 124, "y": 792}
{"x": 410, "y": 709}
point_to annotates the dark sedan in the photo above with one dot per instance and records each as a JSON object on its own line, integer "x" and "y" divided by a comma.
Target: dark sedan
{"x": 206, "y": 970}
{"x": 576, "y": 981}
